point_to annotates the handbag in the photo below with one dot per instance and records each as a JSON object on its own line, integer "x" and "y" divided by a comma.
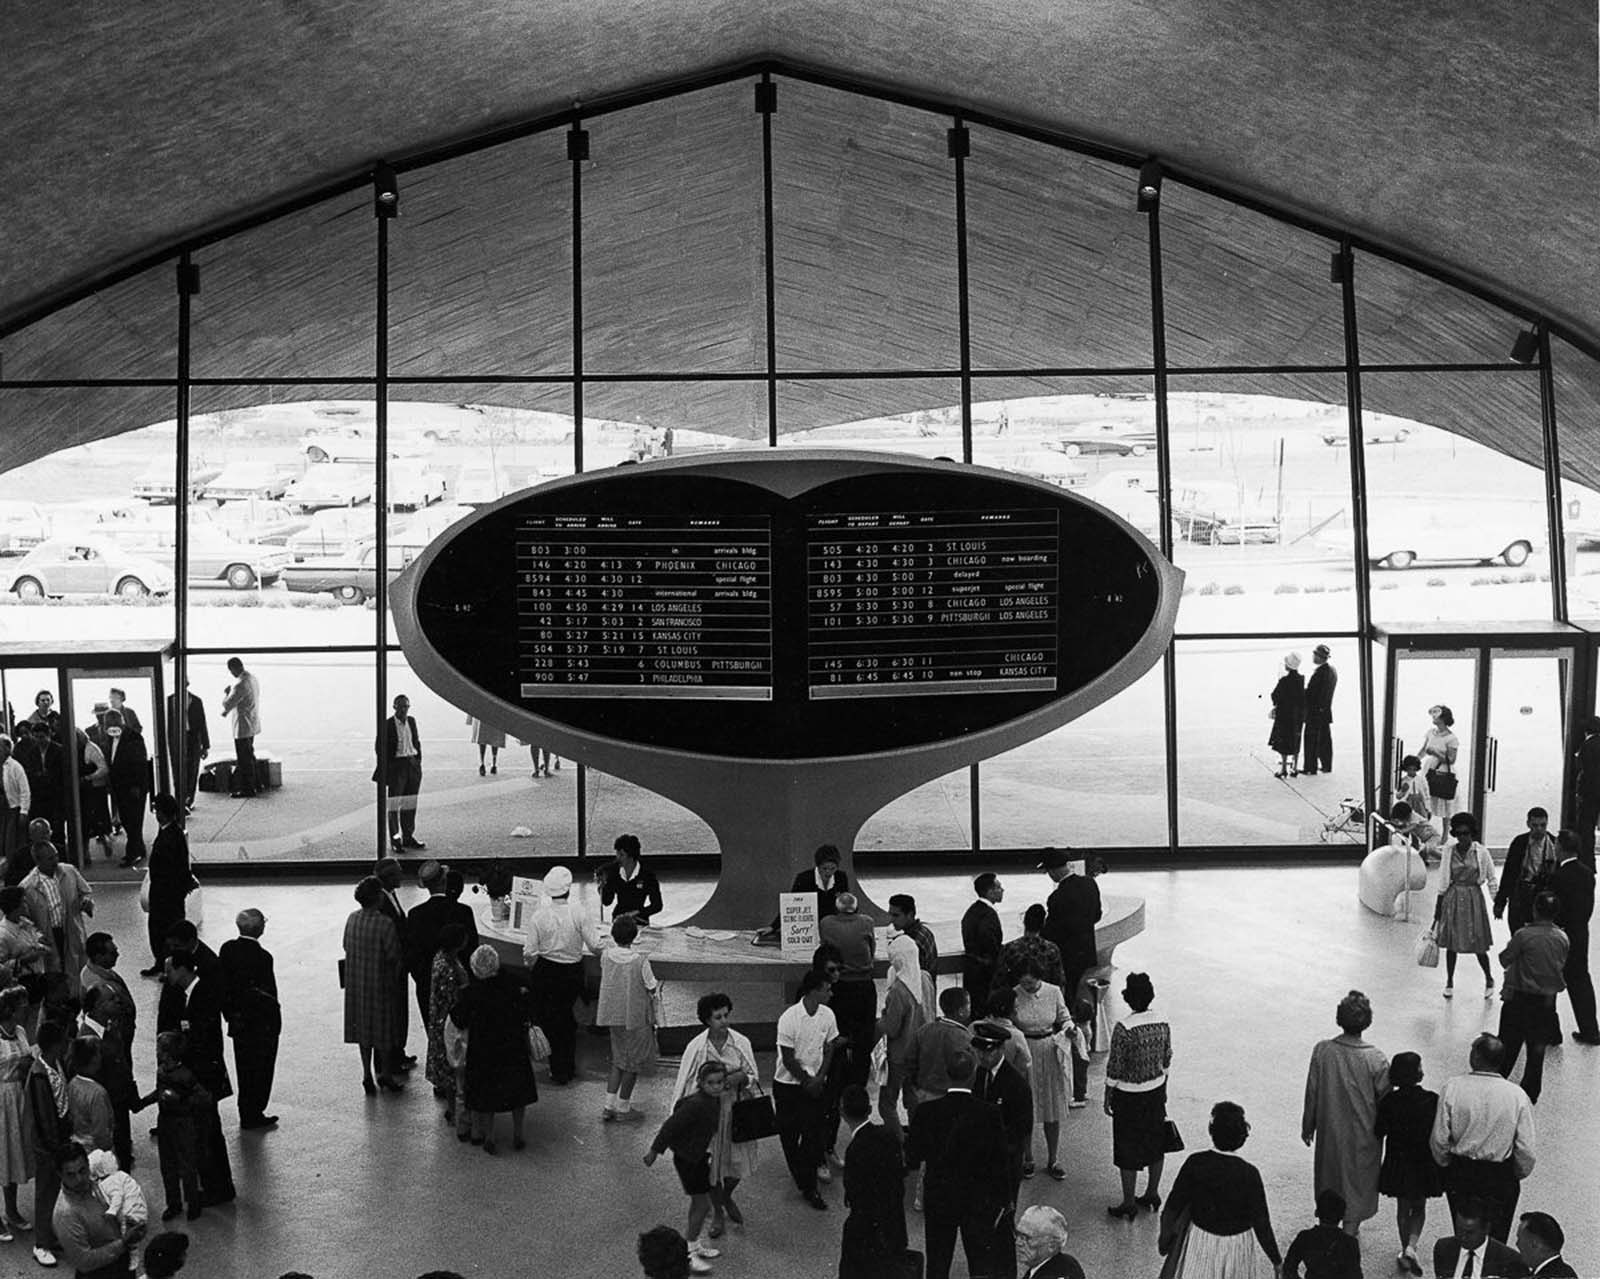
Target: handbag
{"x": 1442, "y": 783}
{"x": 341, "y": 974}
{"x": 753, "y": 1117}
{"x": 1427, "y": 950}
{"x": 455, "y": 1044}
{"x": 538, "y": 1045}
{"x": 1171, "y": 1138}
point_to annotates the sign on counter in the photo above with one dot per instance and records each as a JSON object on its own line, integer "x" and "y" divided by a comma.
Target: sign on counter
{"x": 797, "y": 924}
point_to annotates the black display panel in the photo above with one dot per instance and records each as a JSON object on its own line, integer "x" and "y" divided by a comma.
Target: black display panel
{"x": 691, "y": 610}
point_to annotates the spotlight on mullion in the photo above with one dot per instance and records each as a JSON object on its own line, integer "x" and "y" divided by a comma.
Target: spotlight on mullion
{"x": 1149, "y": 186}
{"x": 1525, "y": 350}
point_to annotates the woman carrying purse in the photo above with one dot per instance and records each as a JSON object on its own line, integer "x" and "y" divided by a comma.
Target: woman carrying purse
{"x": 731, "y": 1161}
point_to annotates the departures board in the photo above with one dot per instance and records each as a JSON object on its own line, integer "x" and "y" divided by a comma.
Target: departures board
{"x": 742, "y": 607}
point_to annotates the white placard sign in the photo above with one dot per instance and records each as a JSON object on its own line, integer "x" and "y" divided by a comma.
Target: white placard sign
{"x": 797, "y": 923}
{"x": 526, "y": 894}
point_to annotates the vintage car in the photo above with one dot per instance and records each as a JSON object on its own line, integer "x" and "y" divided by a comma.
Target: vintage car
{"x": 1220, "y": 515}
{"x": 331, "y": 484}
{"x": 358, "y": 442}
{"x": 249, "y": 480}
{"x": 1374, "y": 435}
{"x": 214, "y": 555}
{"x": 86, "y": 565}
{"x": 259, "y": 520}
{"x": 413, "y": 486}
{"x": 158, "y": 482}
{"x": 1422, "y": 534}
{"x": 351, "y": 579}
{"x": 337, "y": 532}
{"x": 23, "y": 525}
{"x": 1107, "y": 437}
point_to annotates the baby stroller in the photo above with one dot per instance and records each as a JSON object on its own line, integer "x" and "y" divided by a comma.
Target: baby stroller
{"x": 1347, "y": 824}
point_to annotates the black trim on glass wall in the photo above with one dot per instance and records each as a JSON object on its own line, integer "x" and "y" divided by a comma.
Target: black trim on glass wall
{"x": 380, "y": 501}
{"x": 577, "y": 154}
{"x": 959, "y": 146}
{"x": 1552, "y": 482}
{"x": 188, "y": 284}
{"x": 767, "y": 105}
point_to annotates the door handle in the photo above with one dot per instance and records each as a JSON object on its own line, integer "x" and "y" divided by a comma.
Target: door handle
{"x": 1494, "y": 763}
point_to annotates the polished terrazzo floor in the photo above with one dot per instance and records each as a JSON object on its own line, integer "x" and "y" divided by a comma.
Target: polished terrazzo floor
{"x": 1247, "y": 963}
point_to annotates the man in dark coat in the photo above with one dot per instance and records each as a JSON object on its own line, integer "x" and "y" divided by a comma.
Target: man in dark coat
{"x": 199, "y": 1005}
{"x": 400, "y": 766}
{"x": 1573, "y": 884}
{"x": 874, "y": 1192}
{"x": 1072, "y": 910}
{"x": 129, "y": 783}
{"x": 196, "y": 739}
{"x": 998, "y": 1081}
{"x": 962, "y": 1142}
{"x": 171, "y": 880}
{"x": 1492, "y": 1259}
{"x": 40, "y": 754}
{"x": 981, "y": 939}
{"x": 426, "y": 921}
{"x": 1319, "y": 713}
{"x": 170, "y": 1004}
{"x": 250, "y": 1004}
{"x": 1529, "y": 860}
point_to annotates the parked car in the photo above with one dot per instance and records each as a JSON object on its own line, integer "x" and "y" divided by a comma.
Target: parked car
{"x": 1218, "y": 515}
{"x": 86, "y": 565}
{"x": 158, "y": 482}
{"x": 413, "y": 486}
{"x": 1418, "y": 534}
{"x": 1107, "y": 437}
{"x": 351, "y": 579}
{"x": 1377, "y": 435}
{"x": 23, "y": 525}
{"x": 259, "y": 520}
{"x": 358, "y": 442}
{"x": 245, "y": 480}
{"x": 331, "y": 484}
{"x": 214, "y": 555}
{"x": 337, "y": 532}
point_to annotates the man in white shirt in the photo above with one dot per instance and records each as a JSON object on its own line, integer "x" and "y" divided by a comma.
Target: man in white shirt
{"x": 16, "y": 797}
{"x": 808, "y": 1036}
{"x": 559, "y": 935}
{"x": 242, "y": 701}
{"x": 1483, "y": 1137}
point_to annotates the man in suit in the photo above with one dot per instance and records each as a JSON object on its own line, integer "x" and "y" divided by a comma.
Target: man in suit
{"x": 981, "y": 939}
{"x": 400, "y": 767}
{"x": 962, "y": 1142}
{"x": 1470, "y": 1253}
{"x": 191, "y": 730}
{"x": 426, "y": 921}
{"x": 170, "y": 1004}
{"x": 1572, "y": 882}
{"x": 250, "y": 1004}
{"x": 109, "y": 1012}
{"x": 47, "y": 774}
{"x": 129, "y": 762}
{"x": 388, "y": 874}
{"x": 242, "y": 700}
{"x": 1040, "y": 1243}
{"x": 874, "y": 1192}
{"x": 1540, "y": 1240}
{"x": 1071, "y": 912}
{"x": 199, "y": 1007}
{"x": 1588, "y": 789}
{"x": 998, "y": 1081}
{"x": 1319, "y": 713}
{"x": 1530, "y": 858}
{"x": 1483, "y": 1138}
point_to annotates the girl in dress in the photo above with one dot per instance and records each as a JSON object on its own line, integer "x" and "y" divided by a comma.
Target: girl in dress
{"x": 1408, "y": 1174}
{"x": 628, "y": 989}
{"x": 1460, "y": 915}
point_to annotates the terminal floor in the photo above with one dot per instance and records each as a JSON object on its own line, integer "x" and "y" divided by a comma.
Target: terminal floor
{"x": 1247, "y": 963}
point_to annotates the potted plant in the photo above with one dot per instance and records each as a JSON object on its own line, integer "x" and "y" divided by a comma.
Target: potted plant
{"x": 497, "y": 883}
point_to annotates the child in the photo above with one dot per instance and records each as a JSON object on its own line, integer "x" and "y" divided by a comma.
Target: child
{"x": 1413, "y": 790}
{"x": 688, "y": 1133}
{"x": 124, "y": 1199}
{"x": 627, "y": 1004}
{"x": 1415, "y": 830}
{"x": 1408, "y": 1174}
{"x": 186, "y": 1109}
{"x": 1079, "y": 1036}
{"x": 1325, "y": 1250}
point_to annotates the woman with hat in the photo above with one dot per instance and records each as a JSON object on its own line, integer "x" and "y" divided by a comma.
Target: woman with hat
{"x": 1408, "y": 1174}
{"x": 495, "y": 1010}
{"x": 375, "y": 1005}
{"x": 1288, "y": 716}
{"x": 559, "y": 935}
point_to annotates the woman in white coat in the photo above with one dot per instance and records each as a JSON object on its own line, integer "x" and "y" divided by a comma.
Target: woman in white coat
{"x": 731, "y": 1161}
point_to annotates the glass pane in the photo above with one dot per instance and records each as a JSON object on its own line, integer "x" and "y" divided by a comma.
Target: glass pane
{"x": 317, "y": 725}
{"x": 1230, "y": 750}
{"x": 864, "y": 233}
{"x": 1577, "y": 405}
{"x": 504, "y": 813}
{"x": 26, "y": 690}
{"x": 1058, "y": 260}
{"x": 1424, "y": 681}
{"x": 1116, "y": 756}
{"x": 1241, "y": 288}
{"x": 921, "y": 416}
{"x": 293, "y": 298}
{"x": 273, "y": 534}
{"x": 1096, "y": 437}
{"x": 76, "y": 560}
{"x": 1457, "y": 523}
{"x": 122, "y": 826}
{"x": 637, "y": 421}
{"x": 616, "y": 807}
{"x": 673, "y": 242}
{"x": 1404, "y": 316}
{"x": 1528, "y": 696}
{"x": 935, "y": 816}
{"x": 480, "y": 264}
{"x": 126, "y": 330}
{"x": 1260, "y": 489}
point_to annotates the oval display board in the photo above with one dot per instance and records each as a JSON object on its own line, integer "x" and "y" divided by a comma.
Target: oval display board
{"x": 789, "y": 606}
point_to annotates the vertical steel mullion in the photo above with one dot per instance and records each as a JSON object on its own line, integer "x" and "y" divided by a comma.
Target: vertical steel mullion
{"x": 769, "y": 91}
{"x": 1552, "y": 480}
{"x": 178, "y": 747}
{"x": 577, "y": 305}
{"x": 380, "y": 499}
{"x": 963, "y": 312}
{"x": 974, "y": 808}
{"x": 1346, "y": 272}
{"x": 1158, "y": 356}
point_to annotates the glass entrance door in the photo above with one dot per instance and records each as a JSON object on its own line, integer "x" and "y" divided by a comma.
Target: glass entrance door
{"x": 115, "y": 813}
{"x": 1425, "y": 678}
{"x": 1529, "y": 709}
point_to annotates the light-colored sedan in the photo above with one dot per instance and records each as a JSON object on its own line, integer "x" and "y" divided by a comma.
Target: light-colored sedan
{"x": 86, "y": 566}
{"x": 350, "y": 579}
{"x": 214, "y": 555}
{"x": 337, "y": 532}
{"x": 331, "y": 484}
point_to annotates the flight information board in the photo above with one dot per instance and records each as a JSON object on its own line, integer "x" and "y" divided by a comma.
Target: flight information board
{"x": 645, "y": 606}
{"x": 909, "y": 603}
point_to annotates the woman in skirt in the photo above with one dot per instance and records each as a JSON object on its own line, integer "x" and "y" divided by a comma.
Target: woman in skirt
{"x": 1460, "y": 915}
{"x": 1408, "y": 1174}
{"x": 1136, "y": 1096}
{"x": 628, "y": 989}
{"x": 1229, "y": 1235}
{"x": 486, "y": 737}
{"x": 1040, "y": 1014}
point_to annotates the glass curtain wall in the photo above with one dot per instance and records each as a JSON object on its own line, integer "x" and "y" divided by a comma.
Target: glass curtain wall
{"x": 781, "y": 262}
